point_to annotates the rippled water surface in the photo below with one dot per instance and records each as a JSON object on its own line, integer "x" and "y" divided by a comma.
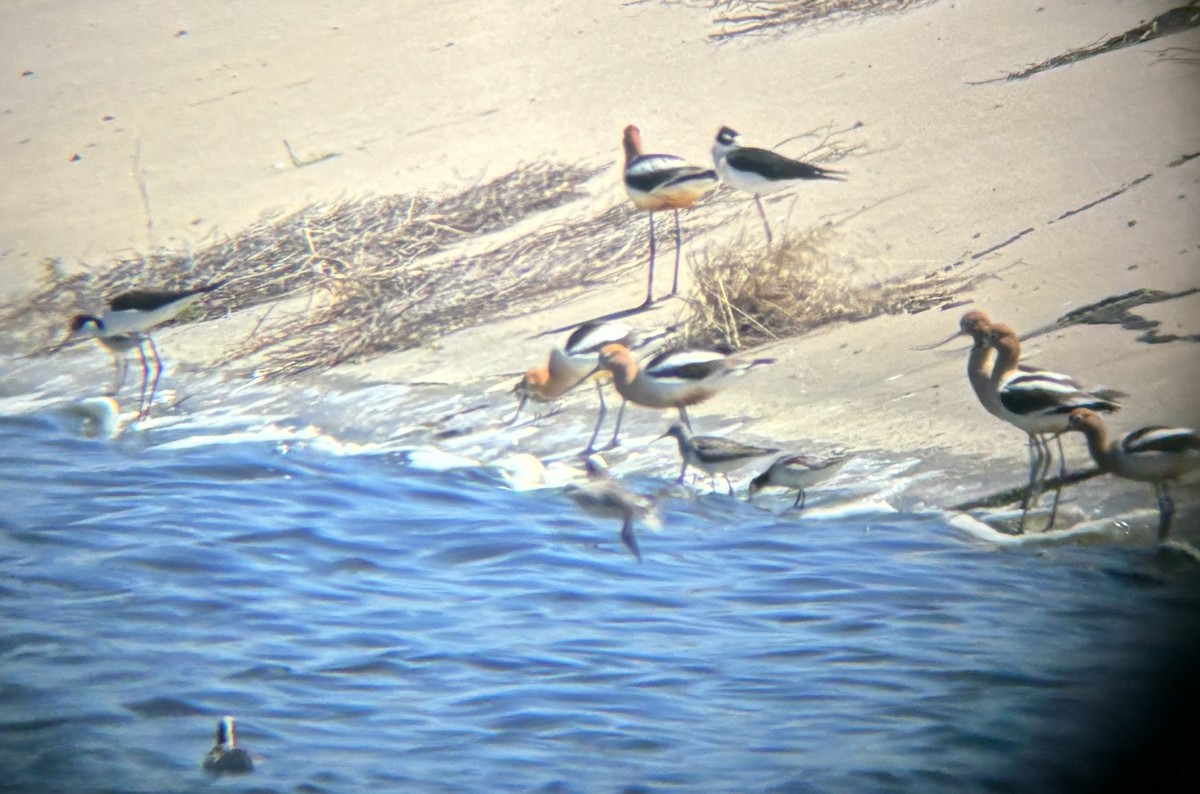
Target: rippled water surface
{"x": 378, "y": 626}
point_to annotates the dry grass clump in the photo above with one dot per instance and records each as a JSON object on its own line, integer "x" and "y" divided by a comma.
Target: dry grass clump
{"x": 759, "y": 17}
{"x": 296, "y": 253}
{"x": 371, "y": 311}
{"x": 746, "y": 295}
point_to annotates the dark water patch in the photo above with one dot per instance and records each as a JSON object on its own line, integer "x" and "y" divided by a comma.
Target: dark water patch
{"x": 164, "y": 707}
{"x": 354, "y": 565}
{"x": 370, "y": 667}
{"x": 295, "y": 537}
{"x": 532, "y": 722}
{"x": 480, "y": 551}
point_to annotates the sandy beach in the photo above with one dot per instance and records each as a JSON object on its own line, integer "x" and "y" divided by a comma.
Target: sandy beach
{"x": 132, "y": 128}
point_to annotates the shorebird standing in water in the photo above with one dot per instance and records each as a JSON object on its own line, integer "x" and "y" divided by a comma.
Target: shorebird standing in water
{"x": 712, "y": 454}
{"x": 797, "y": 471}
{"x": 1039, "y": 403}
{"x": 761, "y": 171}
{"x": 125, "y": 324}
{"x": 656, "y": 182}
{"x": 571, "y": 364}
{"x": 603, "y": 496}
{"x": 575, "y": 362}
{"x": 978, "y": 326}
{"x": 672, "y": 379}
{"x": 1153, "y": 454}
{"x": 226, "y": 757}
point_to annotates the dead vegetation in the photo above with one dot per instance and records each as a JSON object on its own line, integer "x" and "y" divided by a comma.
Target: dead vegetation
{"x": 1166, "y": 23}
{"x": 369, "y": 262}
{"x": 771, "y": 17}
{"x": 370, "y": 311}
{"x": 347, "y": 281}
{"x": 746, "y": 295}
{"x": 282, "y": 256}
{"x": 734, "y": 18}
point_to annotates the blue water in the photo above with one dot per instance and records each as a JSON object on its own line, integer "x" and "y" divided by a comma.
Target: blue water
{"x": 375, "y": 626}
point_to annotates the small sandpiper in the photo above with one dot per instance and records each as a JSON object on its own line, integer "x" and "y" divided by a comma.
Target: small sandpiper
{"x": 761, "y": 171}
{"x": 712, "y": 454}
{"x": 799, "y": 472}
{"x": 226, "y": 757}
{"x": 604, "y": 497}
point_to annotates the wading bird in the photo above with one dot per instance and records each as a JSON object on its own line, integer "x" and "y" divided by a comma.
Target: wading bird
{"x": 125, "y": 324}
{"x": 656, "y": 182}
{"x": 761, "y": 171}
{"x": 1153, "y": 454}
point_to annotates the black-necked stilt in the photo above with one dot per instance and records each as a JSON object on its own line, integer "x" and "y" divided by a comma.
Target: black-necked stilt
{"x": 603, "y": 496}
{"x": 712, "y": 454}
{"x": 797, "y": 471}
{"x": 761, "y": 171}
{"x": 1152, "y": 454}
{"x": 125, "y": 324}
{"x": 1038, "y": 402}
{"x": 671, "y": 379}
{"x": 657, "y": 182}
{"x": 226, "y": 757}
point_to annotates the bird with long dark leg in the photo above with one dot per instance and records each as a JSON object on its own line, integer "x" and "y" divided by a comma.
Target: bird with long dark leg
{"x": 712, "y": 454}
{"x": 761, "y": 171}
{"x": 656, "y": 182}
{"x": 125, "y": 323}
{"x": 571, "y": 363}
{"x": 797, "y": 471}
{"x": 1039, "y": 403}
{"x": 604, "y": 496}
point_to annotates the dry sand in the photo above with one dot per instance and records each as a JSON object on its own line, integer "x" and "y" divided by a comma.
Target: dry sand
{"x": 133, "y": 127}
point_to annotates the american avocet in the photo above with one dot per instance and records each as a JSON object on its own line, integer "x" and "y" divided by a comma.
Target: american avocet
{"x": 1037, "y": 402}
{"x": 672, "y": 379}
{"x": 125, "y": 324}
{"x": 226, "y": 757}
{"x": 571, "y": 363}
{"x": 603, "y": 496}
{"x": 712, "y": 454}
{"x": 761, "y": 171}
{"x": 799, "y": 472}
{"x": 976, "y": 324}
{"x": 1152, "y": 454}
{"x": 657, "y": 182}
